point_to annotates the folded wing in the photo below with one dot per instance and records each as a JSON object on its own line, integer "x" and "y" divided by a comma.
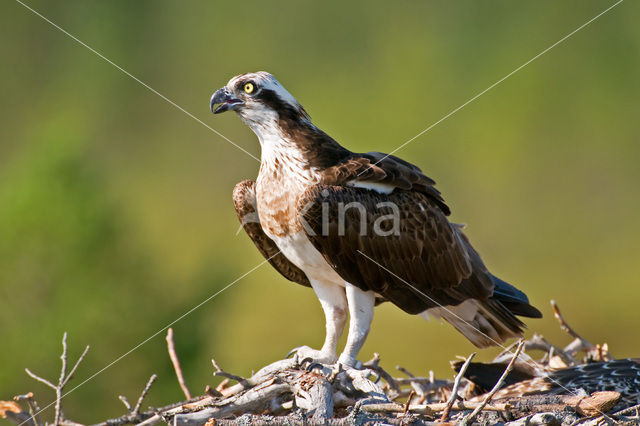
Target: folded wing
{"x": 244, "y": 200}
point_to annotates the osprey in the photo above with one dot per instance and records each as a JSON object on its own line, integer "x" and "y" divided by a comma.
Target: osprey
{"x": 360, "y": 229}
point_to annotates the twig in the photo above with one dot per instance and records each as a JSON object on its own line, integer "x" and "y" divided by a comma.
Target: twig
{"x": 626, "y": 410}
{"x": 406, "y": 406}
{"x": 468, "y": 419}
{"x": 564, "y": 326}
{"x": 75, "y": 366}
{"x": 374, "y": 365}
{"x": 254, "y": 400}
{"x": 420, "y": 385}
{"x": 424, "y": 381}
{"x": 33, "y": 407}
{"x": 40, "y": 379}
{"x": 221, "y": 386}
{"x": 63, "y": 380}
{"x": 222, "y": 373}
{"x": 155, "y": 419}
{"x": 136, "y": 409}
{"x": 456, "y": 385}
{"x": 405, "y": 371}
{"x": 176, "y": 363}
{"x": 209, "y": 391}
{"x": 63, "y": 371}
{"x": 537, "y": 342}
{"x": 393, "y": 407}
{"x": 125, "y": 401}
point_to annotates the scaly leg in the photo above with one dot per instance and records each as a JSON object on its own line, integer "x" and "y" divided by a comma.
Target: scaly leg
{"x": 361, "y": 304}
{"x": 334, "y": 303}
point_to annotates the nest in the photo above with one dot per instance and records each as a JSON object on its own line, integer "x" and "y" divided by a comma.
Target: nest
{"x": 578, "y": 384}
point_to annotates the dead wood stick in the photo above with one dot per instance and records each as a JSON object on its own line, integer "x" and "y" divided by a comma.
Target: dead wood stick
{"x": 220, "y": 372}
{"x": 63, "y": 380}
{"x": 136, "y": 409}
{"x": 421, "y": 385}
{"x": 456, "y": 385}
{"x": 130, "y": 419}
{"x": 584, "y": 405}
{"x": 296, "y": 420}
{"x": 424, "y": 381}
{"x": 406, "y": 406}
{"x": 537, "y": 342}
{"x": 221, "y": 386}
{"x": 468, "y": 419}
{"x": 33, "y": 407}
{"x": 564, "y": 326}
{"x": 252, "y": 401}
{"x": 40, "y": 379}
{"x": 626, "y": 410}
{"x": 75, "y": 366}
{"x": 261, "y": 375}
{"x": 321, "y": 398}
{"x": 393, "y": 407}
{"x": 176, "y": 363}
{"x": 405, "y": 371}
{"x": 374, "y": 365}
{"x": 155, "y": 419}
{"x": 125, "y": 401}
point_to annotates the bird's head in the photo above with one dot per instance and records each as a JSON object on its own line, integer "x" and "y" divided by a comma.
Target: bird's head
{"x": 259, "y": 99}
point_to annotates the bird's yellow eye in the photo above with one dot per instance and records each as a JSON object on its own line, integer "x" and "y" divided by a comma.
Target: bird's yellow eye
{"x": 248, "y": 88}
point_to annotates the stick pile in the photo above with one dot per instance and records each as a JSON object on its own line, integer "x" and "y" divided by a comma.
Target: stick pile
{"x": 301, "y": 391}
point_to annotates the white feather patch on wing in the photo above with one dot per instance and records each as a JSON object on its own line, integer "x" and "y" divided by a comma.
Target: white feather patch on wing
{"x": 380, "y": 188}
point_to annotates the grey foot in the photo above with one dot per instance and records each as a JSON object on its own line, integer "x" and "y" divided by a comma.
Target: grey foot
{"x": 350, "y": 361}
{"x": 305, "y": 352}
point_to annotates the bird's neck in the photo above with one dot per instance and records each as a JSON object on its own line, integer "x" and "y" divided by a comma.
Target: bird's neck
{"x": 295, "y": 148}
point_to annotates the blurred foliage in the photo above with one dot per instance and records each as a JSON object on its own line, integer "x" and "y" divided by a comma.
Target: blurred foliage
{"x": 115, "y": 210}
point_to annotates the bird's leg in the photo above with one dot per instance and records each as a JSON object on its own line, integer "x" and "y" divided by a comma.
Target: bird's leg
{"x": 361, "y": 304}
{"x": 334, "y": 304}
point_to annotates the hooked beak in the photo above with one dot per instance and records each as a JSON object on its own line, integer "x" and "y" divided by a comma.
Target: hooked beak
{"x": 226, "y": 100}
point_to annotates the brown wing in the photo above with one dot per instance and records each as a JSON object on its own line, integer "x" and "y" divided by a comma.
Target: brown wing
{"x": 244, "y": 199}
{"x": 386, "y": 169}
{"x": 407, "y": 233}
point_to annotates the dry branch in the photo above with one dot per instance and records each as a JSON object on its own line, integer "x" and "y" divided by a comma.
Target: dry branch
{"x": 456, "y": 385}
{"x": 143, "y": 394}
{"x": 496, "y": 388}
{"x": 33, "y": 407}
{"x": 176, "y": 363}
{"x": 63, "y": 380}
{"x": 222, "y": 373}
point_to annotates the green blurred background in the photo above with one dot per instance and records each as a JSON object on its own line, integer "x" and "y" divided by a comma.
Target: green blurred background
{"x": 115, "y": 207}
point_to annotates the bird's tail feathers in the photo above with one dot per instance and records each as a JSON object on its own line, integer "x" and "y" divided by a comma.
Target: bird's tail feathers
{"x": 484, "y": 322}
{"x": 513, "y": 299}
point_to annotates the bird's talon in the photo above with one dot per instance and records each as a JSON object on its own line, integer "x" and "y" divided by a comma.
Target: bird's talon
{"x": 313, "y": 365}
{"x": 307, "y": 360}
{"x": 307, "y": 355}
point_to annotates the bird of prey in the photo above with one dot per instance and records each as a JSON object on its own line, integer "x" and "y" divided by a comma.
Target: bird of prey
{"x": 359, "y": 228}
